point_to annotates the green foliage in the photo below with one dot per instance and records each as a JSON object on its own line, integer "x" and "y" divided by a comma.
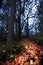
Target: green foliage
{"x": 40, "y": 37}
{"x": 19, "y": 47}
{"x": 11, "y": 51}
{"x": 2, "y": 47}
{"x": 11, "y": 57}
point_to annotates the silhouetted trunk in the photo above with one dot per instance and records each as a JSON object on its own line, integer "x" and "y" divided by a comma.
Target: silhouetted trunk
{"x": 11, "y": 22}
{"x": 19, "y": 23}
{"x": 0, "y": 3}
{"x": 41, "y": 18}
{"x": 27, "y": 30}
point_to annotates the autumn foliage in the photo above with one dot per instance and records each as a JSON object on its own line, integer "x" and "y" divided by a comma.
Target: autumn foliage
{"x": 31, "y": 56}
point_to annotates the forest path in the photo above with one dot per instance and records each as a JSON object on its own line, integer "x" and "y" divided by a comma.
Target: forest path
{"x": 31, "y": 56}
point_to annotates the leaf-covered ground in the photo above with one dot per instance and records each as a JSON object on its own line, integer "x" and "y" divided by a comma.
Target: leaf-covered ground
{"x": 32, "y": 55}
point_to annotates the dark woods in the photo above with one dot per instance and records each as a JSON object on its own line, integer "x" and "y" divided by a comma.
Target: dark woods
{"x": 21, "y": 18}
{"x": 21, "y": 27}
{"x": 0, "y": 3}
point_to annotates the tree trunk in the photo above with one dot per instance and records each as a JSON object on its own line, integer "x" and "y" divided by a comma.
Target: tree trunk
{"x": 11, "y": 23}
{"x": 27, "y": 30}
{"x": 19, "y": 23}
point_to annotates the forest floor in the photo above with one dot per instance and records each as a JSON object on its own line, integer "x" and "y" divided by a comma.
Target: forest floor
{"x": 33, "y": 55}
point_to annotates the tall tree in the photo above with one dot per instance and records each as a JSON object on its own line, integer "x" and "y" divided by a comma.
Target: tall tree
{"x": 41, "y": 17}
{"x": 19, "y": 22}
{"x": 18, "y": 19}
{"x": 12, "y": 5}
